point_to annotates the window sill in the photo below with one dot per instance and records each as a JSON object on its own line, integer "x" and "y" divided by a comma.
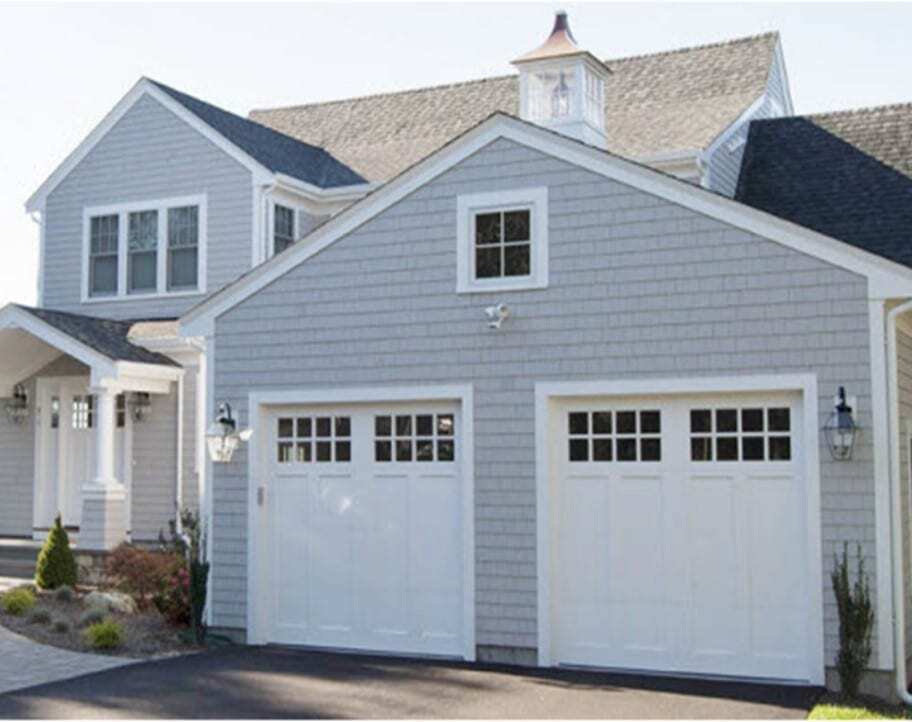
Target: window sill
{"x": 143, "y": 296}
{"x": 501, "y": 285}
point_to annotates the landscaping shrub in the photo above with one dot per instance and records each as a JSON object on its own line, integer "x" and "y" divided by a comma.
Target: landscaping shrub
{"x": 187, "y": 596}
{"x": 17, "y": 601}
{"x": 40, "y": 616}
{"x": 142, "y": 573}
{"x": 174, "y": 601}
{"x": 65, "y": 594}
{"x": 91, "y": 616}
{"x": 104, "y": 635}
{"x": 56, "y": 565}
{"x": 61, "y": 626}
{"x": 856, "y": 621}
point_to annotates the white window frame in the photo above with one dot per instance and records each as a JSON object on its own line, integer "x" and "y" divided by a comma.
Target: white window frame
{"x": 470, "y": 205}
{"x": 162, "y": 205}
{"x": 295, "y": 212}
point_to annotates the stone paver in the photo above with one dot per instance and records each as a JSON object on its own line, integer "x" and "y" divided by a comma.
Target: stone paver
{"x": 10, "y": 582}
{"x": 24, "y": 663}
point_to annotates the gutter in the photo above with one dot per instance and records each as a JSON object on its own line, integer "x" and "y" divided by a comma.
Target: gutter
{"x": 899, "y": 613}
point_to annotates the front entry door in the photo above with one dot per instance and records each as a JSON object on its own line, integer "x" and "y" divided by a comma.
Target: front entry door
{"x": 65, "y": 458}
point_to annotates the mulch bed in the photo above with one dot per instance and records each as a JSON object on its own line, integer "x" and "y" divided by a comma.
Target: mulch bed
{"x": 146, "y": 634}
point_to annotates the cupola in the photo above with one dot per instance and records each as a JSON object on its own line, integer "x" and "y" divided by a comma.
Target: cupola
{"x": 562, "y": 86}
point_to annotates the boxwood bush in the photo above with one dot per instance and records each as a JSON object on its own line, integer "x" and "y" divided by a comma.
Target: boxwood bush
{"x": 17, "y": 601}
{"x": 104, "y": 635}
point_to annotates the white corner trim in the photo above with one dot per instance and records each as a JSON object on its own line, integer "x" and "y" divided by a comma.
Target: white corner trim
{"x": 888, "y": 278}
{"x": 806, "y": 384}
{"x": 161, "y": 206}
{"x": 259, "y": 403}
{"x": 535, "y": 200}
{"x": 880, "y": 443}
{"x": 779, "y": 59}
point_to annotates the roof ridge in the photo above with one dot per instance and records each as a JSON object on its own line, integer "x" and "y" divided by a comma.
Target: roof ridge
{"x": 495, "y": 78}
{"x": 859, "y": 111}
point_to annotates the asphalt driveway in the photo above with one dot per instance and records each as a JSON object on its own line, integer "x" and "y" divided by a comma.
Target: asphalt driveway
{"x": 241, "y": 682}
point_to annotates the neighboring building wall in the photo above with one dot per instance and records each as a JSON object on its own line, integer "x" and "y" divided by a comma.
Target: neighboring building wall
{"x": 904, "y": 378}
{"x": 149, "y": 154}
{"x": 723, "y": 158}
{"x": 639, "y": 287}
{"x": 155, "y": 468}
{"x": 17, "y": 463}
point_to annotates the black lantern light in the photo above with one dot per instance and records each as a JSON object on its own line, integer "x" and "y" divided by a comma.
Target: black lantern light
{"x": 17, "y": 408}
{"x": 840, "y": 429}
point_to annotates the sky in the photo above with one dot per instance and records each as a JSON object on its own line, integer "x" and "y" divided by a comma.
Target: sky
{"x": 64, "y": 66}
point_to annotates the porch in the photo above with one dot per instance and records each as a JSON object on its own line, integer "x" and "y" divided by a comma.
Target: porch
{"x": 77, "y": 391}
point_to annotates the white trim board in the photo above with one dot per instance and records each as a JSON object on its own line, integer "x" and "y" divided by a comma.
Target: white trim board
{"x": 806, "y": 384}
{"x": 889, "y": 278}
{"x": 259, "y": 402}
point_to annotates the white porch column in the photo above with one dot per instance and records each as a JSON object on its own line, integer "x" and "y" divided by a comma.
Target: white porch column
{"x": 104, "y": 498}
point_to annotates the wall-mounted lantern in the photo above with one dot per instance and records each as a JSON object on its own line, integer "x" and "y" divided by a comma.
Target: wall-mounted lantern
{"x": 17, "y": 407}
{"x": 840, "y": 429}
{"x": 223, "y": 438}
{"x": 140, "y": 403}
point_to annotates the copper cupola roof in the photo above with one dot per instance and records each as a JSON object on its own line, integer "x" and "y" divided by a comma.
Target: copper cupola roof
{"x": 560, "y": 42}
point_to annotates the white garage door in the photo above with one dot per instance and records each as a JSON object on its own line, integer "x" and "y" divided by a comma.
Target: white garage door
{"x": 679, "y": 530}
{"x": 366, "y": 532}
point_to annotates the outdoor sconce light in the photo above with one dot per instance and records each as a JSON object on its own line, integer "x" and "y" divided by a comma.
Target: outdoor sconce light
{"x": 223, "y": 438}
{"x": 840, "y": 429}
{"x": 140, "y": 403}
{"x": 17, "y": 408}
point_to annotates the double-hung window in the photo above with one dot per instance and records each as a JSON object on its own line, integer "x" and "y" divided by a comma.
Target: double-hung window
{"x": 283, "y": 231}
{"x": 502, "y": 240}
{"x": 153, "y": 248}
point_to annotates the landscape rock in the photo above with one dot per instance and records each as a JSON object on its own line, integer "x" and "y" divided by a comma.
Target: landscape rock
{"x": 111, "y": 602}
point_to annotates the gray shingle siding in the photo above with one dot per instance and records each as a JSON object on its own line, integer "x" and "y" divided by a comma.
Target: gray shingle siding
{"x": 639, "y": 287}
{"x": 17, "y": 459}
{"x": 149, "y": 154}
{"x": 190, "y": 468}
{"x": 155, "y": 468}
{"x": 904, "y": 383}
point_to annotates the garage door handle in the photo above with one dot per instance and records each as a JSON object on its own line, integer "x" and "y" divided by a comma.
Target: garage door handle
{"x": 261, "y": 495}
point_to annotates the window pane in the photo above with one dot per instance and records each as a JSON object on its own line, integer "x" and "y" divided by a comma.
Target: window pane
{"x": 286, "y": 428}
{"x": 487, "y": 228}
{"x": 383, "y": 426}
{"x": 752, "y": 448}
{"x": 780, "y": 448}
{"x": 701, "y": 448}
{"x": 626, "y": 449}
{"x": 650, "y": 449}
{"x": 343, "y": 426}
{"x": 283, "y": 231}
{"x": 579, "y": 422}
{"x": 324, "y": 426}
{"x": 487, "y": 262}
{"x": 727, "y": 448}
{"x": 383, "y": 451}
{"x": 516, "y": 260}
{"x": 650, "y": 422}
{"x": 403, "y": 450}
{"x": 424, "y": 450}
{"x": 284, "y": 450}
{"x": 424, "y": 425}
{"x": 579, "y": 450}
{"x": 142, "y": 231}
{"x": 103, "y": 234}
{"x": 778, "y": 420}
{"x": 726, "y": 420}
{"x": 324, "y": 451}
{"x": 751, "y": 419}
{"x": 305, "y": 428}
{"x": 183, "y": 227}
{"x": 182, "y": 268}
{"x": 343, "y": 451}
{"x": 516, "y": 226}
{"x": 626, "y": 422}
{"x": 601, "y": 450}
{"x": 601, "y": 422}
{"x": 104, "y": 276}
{"x": 445, "y": 425}
{"x": 700, "y": 420}
{"x": 446, "y": 450}
{"x": 403, "y": 425}
{"x": 305, "y": 452}
{"x": 143, "y": 271}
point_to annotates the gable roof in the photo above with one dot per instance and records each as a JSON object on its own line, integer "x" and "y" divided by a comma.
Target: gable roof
{"x": 274, "y": 150}
{"x": 886, "y": 278}
{"x": 797, "y": 169}
{"x": 107, "y": 337}
{"x": 655, "y": 104}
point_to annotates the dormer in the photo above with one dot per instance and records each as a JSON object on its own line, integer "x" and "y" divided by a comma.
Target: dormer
{"x": 562, "y": 86}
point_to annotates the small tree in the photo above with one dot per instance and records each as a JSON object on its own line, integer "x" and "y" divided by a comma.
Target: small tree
{"x": 856, "y": 621}
{"x": 56, "y": 565}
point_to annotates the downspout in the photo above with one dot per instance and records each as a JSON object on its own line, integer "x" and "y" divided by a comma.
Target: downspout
{"x": 899, "y": 612}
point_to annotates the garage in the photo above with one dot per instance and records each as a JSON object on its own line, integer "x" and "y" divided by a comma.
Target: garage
{"x": 678, "y": 535}
{"x": 365, "y": 533}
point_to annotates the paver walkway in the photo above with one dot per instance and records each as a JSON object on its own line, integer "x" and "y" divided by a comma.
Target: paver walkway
{"x": 24, "y": 663}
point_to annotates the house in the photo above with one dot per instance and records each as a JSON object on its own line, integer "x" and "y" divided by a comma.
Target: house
{"x": 540, "y": 369}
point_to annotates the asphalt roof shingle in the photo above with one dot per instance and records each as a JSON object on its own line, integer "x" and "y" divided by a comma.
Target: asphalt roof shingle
{"x": 802, "y": 170}
{"x": 274, "y": 150}
{"x": 108, "y": 337}
{"x": 664, "y": 102}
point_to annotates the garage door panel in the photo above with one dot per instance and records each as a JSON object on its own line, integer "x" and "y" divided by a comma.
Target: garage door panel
{"x": 689, "y": 556}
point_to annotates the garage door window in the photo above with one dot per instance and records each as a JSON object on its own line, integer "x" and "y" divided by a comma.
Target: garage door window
{"x": 414, "y": 437}
{"x": 615, "y": 435}
{"x": 740, "y": 434}
{"x": 305, "y": 439}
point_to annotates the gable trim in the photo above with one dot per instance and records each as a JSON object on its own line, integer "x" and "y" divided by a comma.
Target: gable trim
{"x": 886, "y": 278}
{"x": 142, "y": 88}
